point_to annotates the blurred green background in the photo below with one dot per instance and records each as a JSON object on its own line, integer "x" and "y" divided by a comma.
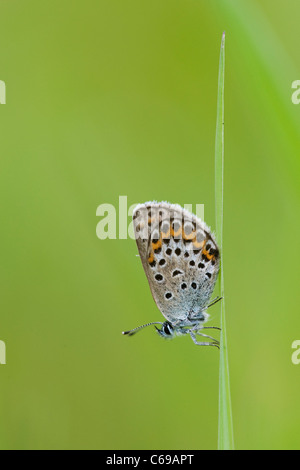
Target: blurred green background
{"x": 115, "y": 97}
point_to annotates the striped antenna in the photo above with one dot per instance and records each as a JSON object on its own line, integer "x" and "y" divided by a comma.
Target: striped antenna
{"x": 138, "y": 328}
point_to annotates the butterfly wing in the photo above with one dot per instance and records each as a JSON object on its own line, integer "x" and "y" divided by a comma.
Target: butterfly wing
{"x": 180, "y": 257}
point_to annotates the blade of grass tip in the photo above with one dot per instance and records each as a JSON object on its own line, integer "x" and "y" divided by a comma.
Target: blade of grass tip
{"x": 225, "y": 433}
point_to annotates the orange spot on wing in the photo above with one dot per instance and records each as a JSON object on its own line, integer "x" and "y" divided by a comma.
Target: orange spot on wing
{"x": 176, "y": 234}
{"x": 197, "y": 244}
{"x": 165, "y": 234}
{"x": 205, "y": 252}
{"x": 191, "y": 236}
{"x": 151, "y": 220}
{"x": 156, "y": 245}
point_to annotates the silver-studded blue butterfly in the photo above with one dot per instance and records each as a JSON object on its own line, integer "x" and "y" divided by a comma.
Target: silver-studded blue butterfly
{"x": 181, "y": 260}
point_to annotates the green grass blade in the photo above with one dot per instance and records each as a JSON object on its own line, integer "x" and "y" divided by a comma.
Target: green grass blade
{"x": 225, "y": 434}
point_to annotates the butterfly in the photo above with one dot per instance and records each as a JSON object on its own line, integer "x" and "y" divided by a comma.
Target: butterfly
{"x": 181, "y": 260}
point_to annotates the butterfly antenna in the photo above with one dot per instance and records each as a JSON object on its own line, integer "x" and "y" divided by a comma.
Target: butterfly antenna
{"x": 138, "y": 328}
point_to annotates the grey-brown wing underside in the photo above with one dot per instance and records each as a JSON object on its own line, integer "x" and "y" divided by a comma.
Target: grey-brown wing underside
{"x": 180, "y": 257}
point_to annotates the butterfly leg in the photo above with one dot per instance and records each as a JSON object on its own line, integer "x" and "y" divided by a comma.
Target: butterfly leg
{"x": 197, "y": 328}
{"x": 207, "y": 336}
{"x": 208, "y": 343}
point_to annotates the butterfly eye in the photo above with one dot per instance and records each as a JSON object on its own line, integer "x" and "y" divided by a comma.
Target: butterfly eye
{"x": 168, "y": 329}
